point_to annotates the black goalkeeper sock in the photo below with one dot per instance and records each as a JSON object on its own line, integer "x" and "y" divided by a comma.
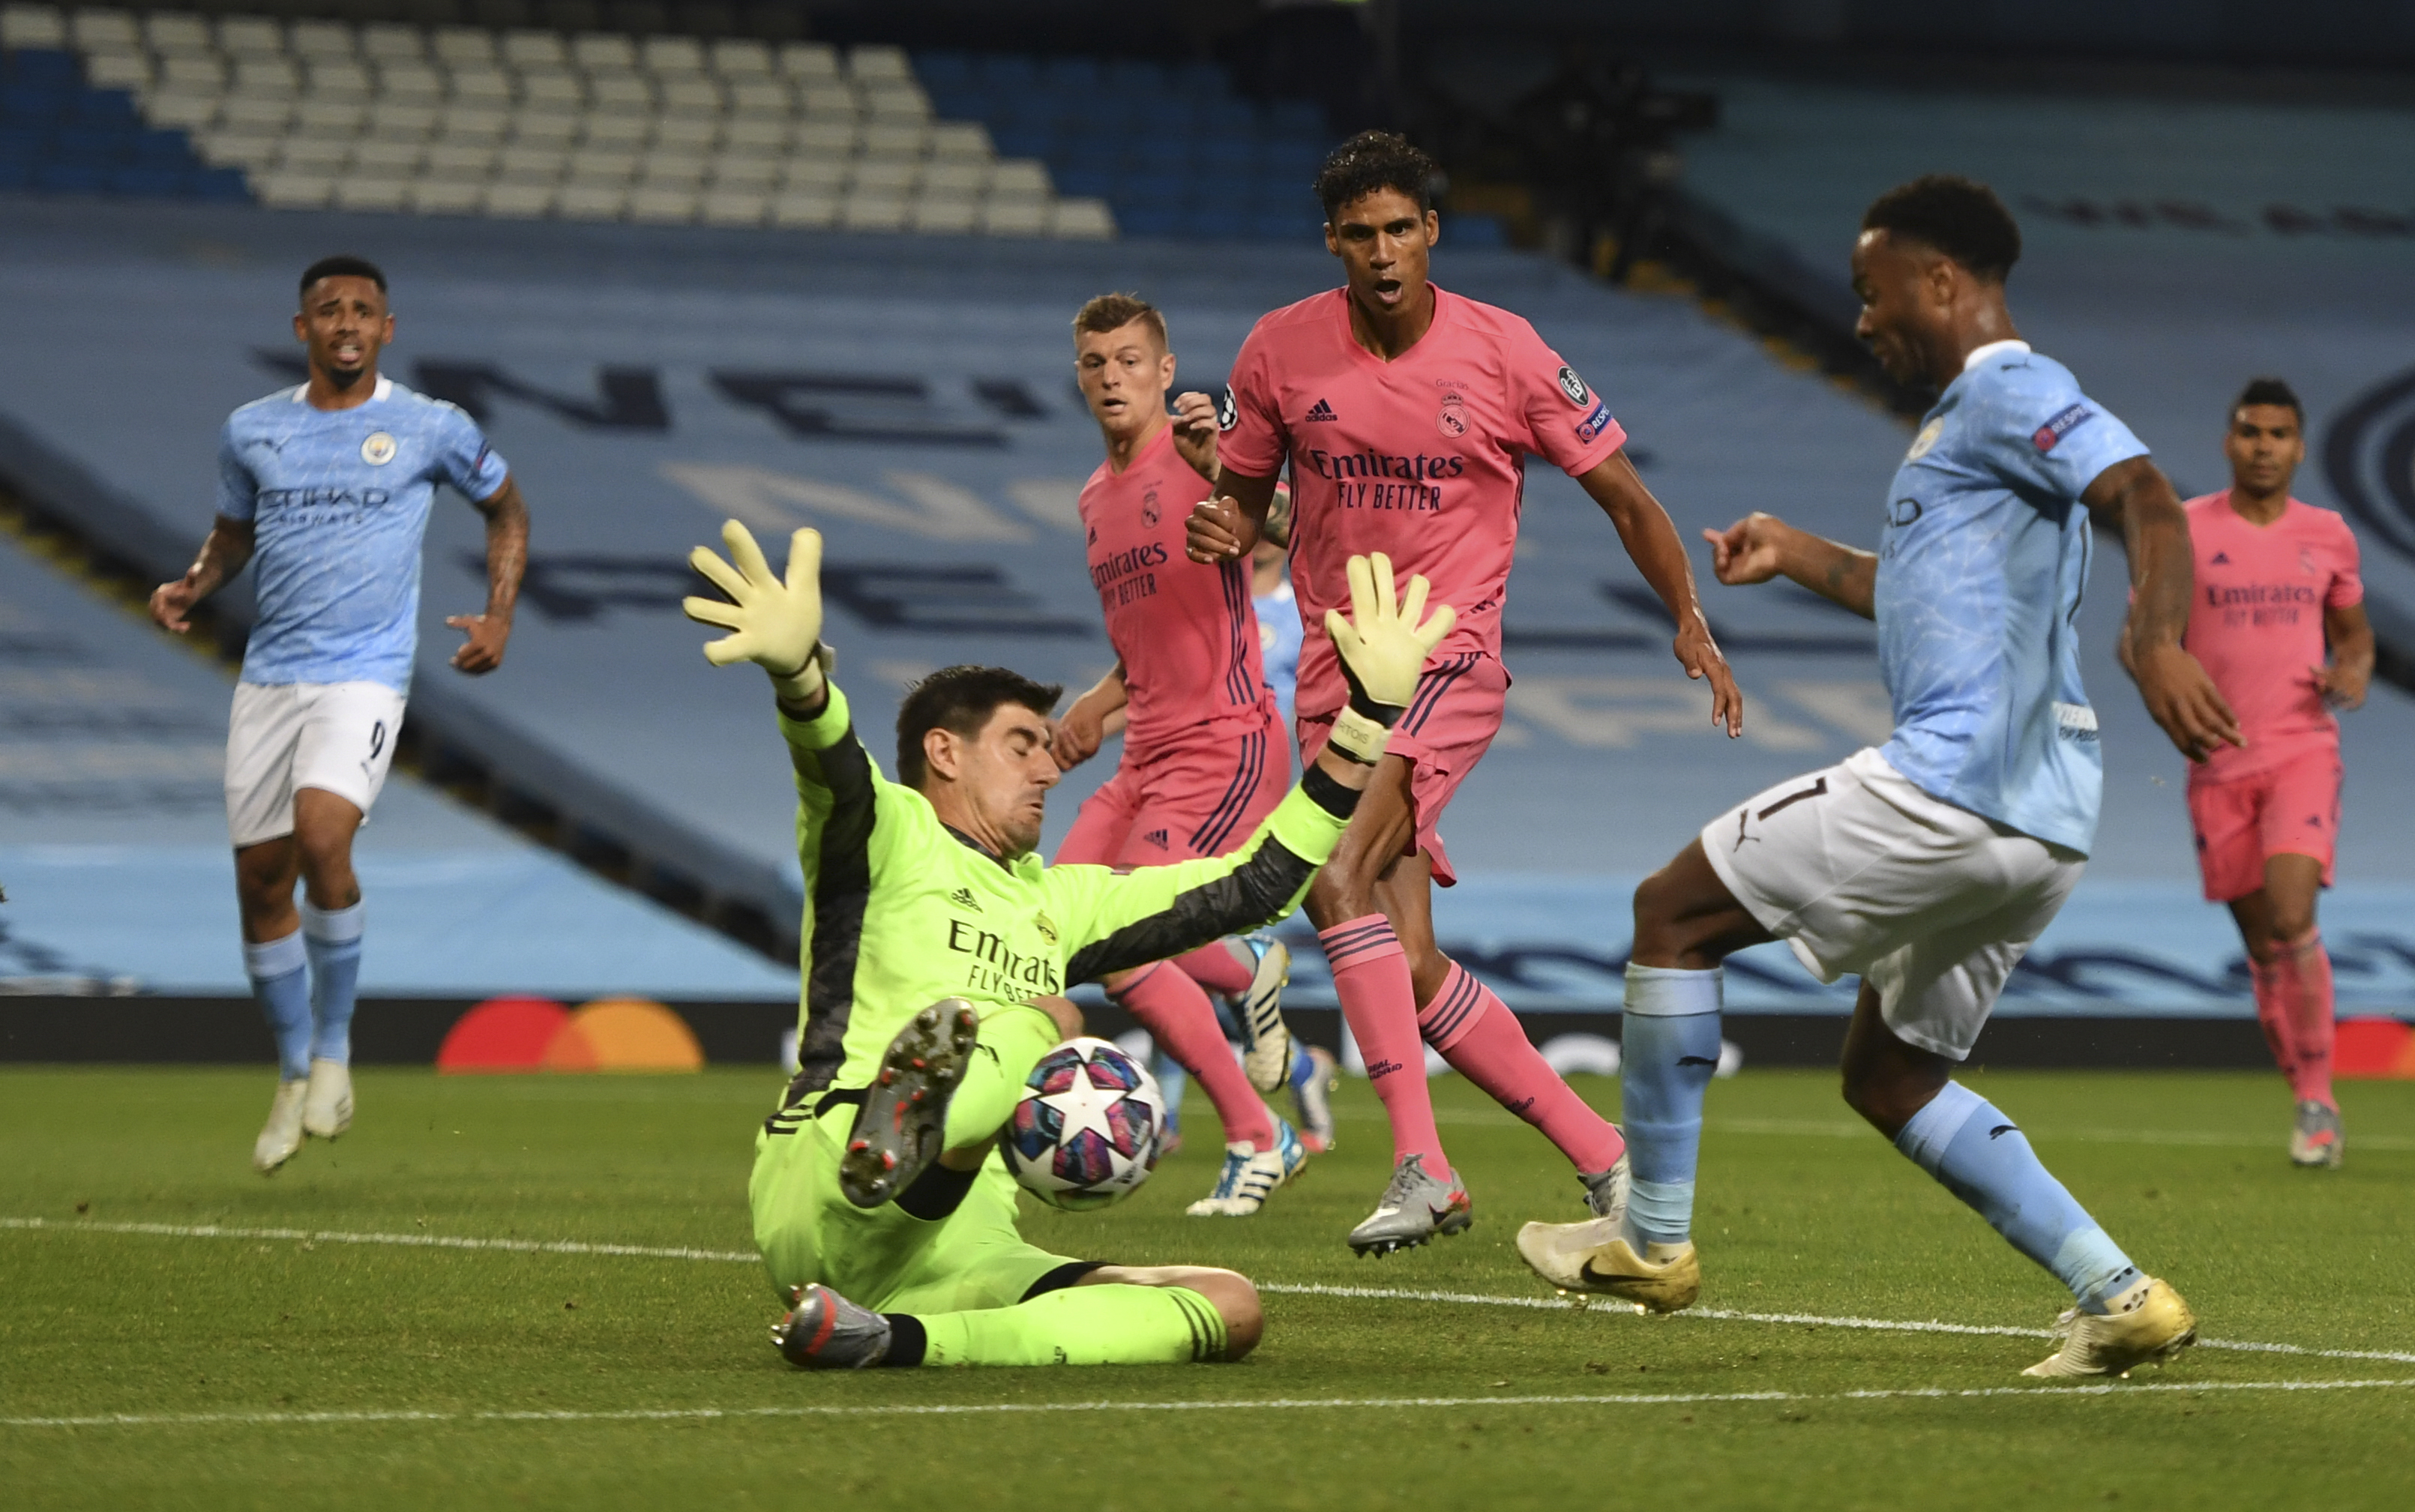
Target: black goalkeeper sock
{"x": 907, "y": 1341}
{"x": 936, "y": 1193}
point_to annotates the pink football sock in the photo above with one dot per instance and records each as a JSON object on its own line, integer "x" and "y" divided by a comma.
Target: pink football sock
{"x": 1370, "y": 976}
{"x": 1483, "y": 1040}
{"x": 1217, "y": 968}
{"x": 2304, "y": 973}
{"x": 2272, "y": 1012}
{"x": 1177, "y": 1016}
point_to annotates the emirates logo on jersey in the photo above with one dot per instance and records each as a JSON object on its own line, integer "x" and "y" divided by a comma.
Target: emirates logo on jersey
{"x": 1452, "y": 422}
{"x": 379, "y": 449}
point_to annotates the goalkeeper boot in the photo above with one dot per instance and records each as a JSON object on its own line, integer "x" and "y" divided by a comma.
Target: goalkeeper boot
{"x": 2148, "y": 1325}
{"x": 2319, "y": 1140}
{"x": 1250, "y": 1175}
{"x": 899, "y": 1129}
{"x": 283, "y": 1134}
{"x": 1414, "y": 1207}
{"x": 824, "y": 1331}
{"x": 1269, "y": 1058}
{"x": 1313, "y": 1081}
{"x": 327, "y": 1107}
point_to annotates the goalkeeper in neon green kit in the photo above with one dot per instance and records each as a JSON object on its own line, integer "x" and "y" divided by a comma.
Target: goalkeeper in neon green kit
{"x": 936, "y": 953}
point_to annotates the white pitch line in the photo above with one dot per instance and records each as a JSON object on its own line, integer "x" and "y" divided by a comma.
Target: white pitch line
{"x": 418, "y": 1241}
{"x": 574, "y": 1246}
{"x": 682, "y": 1415}
{"x": 1831, "y": 1129}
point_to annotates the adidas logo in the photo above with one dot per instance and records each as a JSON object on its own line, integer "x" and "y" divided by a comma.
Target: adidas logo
{"x": 963, "y": 898}
{"x": 1321, "y": 410}
{"x": 2221, "y": 558}
{"x": 1156, "y": 837}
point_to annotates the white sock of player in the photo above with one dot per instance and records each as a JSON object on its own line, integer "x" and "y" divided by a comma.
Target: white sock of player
{"x": 333, "y": 936}
{"x": 281, "y": 982}
{"x": 1669, "y": 1043}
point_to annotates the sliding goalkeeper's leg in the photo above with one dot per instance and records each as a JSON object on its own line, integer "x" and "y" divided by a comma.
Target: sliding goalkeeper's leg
{"x": 1112, "y": 1315}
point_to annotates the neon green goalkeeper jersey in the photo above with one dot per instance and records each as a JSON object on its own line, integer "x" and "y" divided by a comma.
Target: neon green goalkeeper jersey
{"x": 901, "y": 911}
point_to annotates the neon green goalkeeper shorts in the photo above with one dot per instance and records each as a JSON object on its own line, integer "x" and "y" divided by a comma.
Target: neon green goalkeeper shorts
{"x": 883, "y": 1258}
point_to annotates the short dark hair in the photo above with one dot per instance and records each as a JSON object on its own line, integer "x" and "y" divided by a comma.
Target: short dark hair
{"x": 1113, "y": 313}
{"x": 1958, "y": 216}
{"x": 2270, "y": 391}
{"x": 1373, "y": 160}
{"x": 961, "y": 699}
{"x": 343, "y": 265}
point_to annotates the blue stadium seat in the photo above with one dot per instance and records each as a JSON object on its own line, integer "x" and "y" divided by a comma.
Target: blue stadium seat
{"x": 1296, "y": 118}
{"x": 149, "y": 183}
{"x": 93, "y": 145}
{"x": 1297, "y": 160}
{"x": 1131, "y": 77}
{"x": 220, "y": 184}
{"x": 1137, "y": 222}
{"x": 1228, "y": 117}
{"x": 70, "y": 178}
{"x": 1287, "y": 226}
{"x": 1201, "y": 81}
{"x": 164, "y": 148}
{"x": 16, "y": 175}
{"x": 23, "y": 143}
{"x": 35, "y": 104}
{"x": 1069, "y": 74}
{"x": 1476, "y": 230}
{"x": 1010, "y": 71}
{"x": 1153, "y": 191}
{"x": 944, "y": 71}
{"x": 1159, "y": 154}
{"x": 1093, "y": 183}
{"x": 1019, "y": 140}
{"x": 45, "y": 67}
{"x": 106, "y": 107}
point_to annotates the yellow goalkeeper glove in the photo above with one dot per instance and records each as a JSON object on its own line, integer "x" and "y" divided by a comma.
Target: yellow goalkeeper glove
{"x": 774, "y": 623}
{"x": 1383, "y": 649}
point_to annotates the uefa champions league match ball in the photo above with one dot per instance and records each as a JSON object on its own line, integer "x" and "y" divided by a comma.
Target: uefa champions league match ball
{"x": 1086, "y": 1133}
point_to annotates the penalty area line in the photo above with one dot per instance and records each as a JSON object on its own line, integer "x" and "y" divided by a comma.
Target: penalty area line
{"x": 690, "y": 1414}
{"x": 1384, "y": 1294}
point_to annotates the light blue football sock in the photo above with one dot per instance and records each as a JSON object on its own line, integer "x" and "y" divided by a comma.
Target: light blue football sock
{"x": 280, "y": 981}
{"x": 1982, "y": 1158}
{"x": 333, "y": 936}
{"x": 1303, "y": 1065}
{"x": 1669, "y": 1046}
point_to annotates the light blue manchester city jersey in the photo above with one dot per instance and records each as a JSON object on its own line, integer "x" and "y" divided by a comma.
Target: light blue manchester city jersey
{"x": 339, "y": 500}
{"x": 1981, "y": 566}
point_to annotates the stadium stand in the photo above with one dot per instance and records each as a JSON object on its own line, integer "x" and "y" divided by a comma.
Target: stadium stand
{"x": 464, "y": 120}
{"x": 920, "y": 412}
{"x": 113, "y": 742}
{"x": 2174, "y": 248}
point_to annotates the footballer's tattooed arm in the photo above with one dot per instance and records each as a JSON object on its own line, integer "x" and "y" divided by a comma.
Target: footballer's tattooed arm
{"x": 507, "y": 535}
{"x": 224, "y": 554}
{"x": 1651, "y": 541}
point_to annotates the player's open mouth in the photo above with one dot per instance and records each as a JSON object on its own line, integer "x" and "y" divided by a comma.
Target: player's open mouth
{"x": 1387, "y": 290}
{"x": 349, "y": 355}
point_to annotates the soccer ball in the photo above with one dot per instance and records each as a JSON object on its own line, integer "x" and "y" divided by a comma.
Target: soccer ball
{"x": 1086, "y": 1133}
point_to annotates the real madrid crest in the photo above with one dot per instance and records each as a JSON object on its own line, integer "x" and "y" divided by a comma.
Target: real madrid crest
{"x": 379, "y": 449}
{"x": 1453, "y": 419}
{"x": 1046, "y": 926}
{"x": 1148, "y": 511}
{"x": 1928, "y": 438}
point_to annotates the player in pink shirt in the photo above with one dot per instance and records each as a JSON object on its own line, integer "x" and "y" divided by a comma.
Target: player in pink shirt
{"x": 1204, "y": 757}
{"x": 1406, "y": 414}
{"x": 2279, "y": 622}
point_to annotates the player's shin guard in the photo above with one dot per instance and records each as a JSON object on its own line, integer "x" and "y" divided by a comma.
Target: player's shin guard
{"x": 1982, "y": 1158}
{"x": 1475, "y": 1032}
{"x": 1078, "y": 1325}
{"x": 2273, "y": 1014}
{"x": 333, "y": 938}
{"x": 1379, "y": 1002}
{"x": 280, "y": 981}
{"x": 2302, "y": 974}
{"x": 1178, "y": 1017}
{"x": 1669, "y": 1046}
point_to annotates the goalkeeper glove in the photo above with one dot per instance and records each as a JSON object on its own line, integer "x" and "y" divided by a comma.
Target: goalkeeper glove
{"x": 1383, "y": 649}
{"x": 774, "y": 623}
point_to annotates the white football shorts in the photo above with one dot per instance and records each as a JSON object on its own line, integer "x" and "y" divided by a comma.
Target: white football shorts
{"x": 286, "y": 737}
{"x": 1864, "y": 873}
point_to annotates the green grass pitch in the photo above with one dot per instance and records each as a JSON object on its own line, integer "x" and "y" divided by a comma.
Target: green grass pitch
{"x": 493, "y": 1376}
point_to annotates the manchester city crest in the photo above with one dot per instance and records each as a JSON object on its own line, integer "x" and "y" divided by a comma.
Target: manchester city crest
{"x": 377, "y": 450}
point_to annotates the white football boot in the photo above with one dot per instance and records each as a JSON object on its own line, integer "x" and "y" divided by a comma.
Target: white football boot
{"x": 1249, "y": 1176}
{"x": 283, "y": 1134}
{"x": 1268, "y": 1061}
{"x": 327, "y": 1108}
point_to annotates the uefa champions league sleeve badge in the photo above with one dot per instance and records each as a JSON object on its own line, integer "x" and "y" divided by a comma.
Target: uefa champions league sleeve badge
{"x": 379, "y": 449}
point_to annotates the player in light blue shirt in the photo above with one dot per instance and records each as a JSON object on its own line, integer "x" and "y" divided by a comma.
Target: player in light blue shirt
{"x": 1927, "y": 866}
{"x": 327, "y": 488}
